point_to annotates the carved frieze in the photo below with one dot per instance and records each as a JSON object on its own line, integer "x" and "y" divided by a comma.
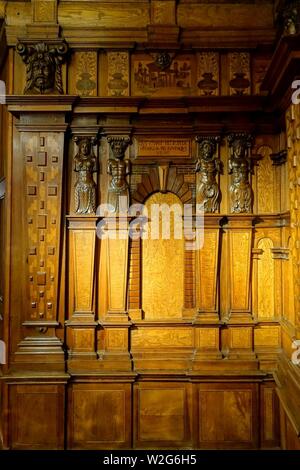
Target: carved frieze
{"x": 85, "y": 166}
{"x": 118, "y": 169}
{"x": 208, "y": 166}
{"x": 43, "y": 66}
{"x": 240, "y": 167}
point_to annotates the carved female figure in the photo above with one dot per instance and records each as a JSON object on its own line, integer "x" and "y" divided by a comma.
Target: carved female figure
{"x": 208, "y": 165}
{"x": 240, "y": 167}
{"x": 85, "y": 166}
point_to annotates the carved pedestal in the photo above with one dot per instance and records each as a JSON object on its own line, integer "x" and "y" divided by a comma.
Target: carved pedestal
{"x": 81, "y": 326}
{"x": 115, "y": 337}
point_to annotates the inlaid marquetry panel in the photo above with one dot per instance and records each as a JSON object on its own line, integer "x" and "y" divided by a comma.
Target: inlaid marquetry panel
{"x": 83, "y": 74}
{"x": 266, "y": 187}
{"x": 118, "y": 73}
{"x": 163, "y": 262}
{"x": 43, "y": 163}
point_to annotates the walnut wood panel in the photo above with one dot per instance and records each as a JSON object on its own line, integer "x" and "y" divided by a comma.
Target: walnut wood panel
{"x": 100, "y": 416}
{"x": 37, "y": 416}
{"x": 162, "y": 415}
{"x": 228, "y": 416}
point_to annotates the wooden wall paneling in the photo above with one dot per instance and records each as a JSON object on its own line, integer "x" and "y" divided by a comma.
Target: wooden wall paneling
{"x": 269, "y": 413}
{"x": 82, "y": 324}
{"x": 162, "y": 415}
{"x": 100, "y": 416}
{"x": 228, "y": 415}
{"x": 36, "y": 415}
{"x": 293, "y": 143}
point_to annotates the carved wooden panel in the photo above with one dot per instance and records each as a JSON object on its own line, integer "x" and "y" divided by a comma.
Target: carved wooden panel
{"x": 117, "y": 256}
{"x": 266, "y": 187}
{"x": 162, "y": 414}
{"x": 270, "y": 433}
{"x": 83, "y": 247}
{"x": 162, "y": 266}
{"x": 208, "y": 259}
{"x": 37, "y": 418}
{"x": 208, "y": 73}
{"x": 228, "y": 416}
{"x": 43, "y": 163}
{"x": 100, "y": 416}
{"x": 239, "y": 73}
{"x": 265, "y": 287}
{"x": 240, "y": 269}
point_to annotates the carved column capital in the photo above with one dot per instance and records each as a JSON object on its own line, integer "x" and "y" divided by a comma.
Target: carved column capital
{"x": 43, "y": 62}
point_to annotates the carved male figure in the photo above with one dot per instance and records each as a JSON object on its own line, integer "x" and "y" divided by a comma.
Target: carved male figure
{"x": 208, "y": 165}
{"x": 118, "y": 168}
{"x": 240, "y": 166}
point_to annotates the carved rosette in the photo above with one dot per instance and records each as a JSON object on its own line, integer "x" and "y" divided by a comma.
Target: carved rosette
{"x": 43, "y": 66}
{"x": 118, "y": 169}
{"x": 85, "y": 166}
{"x": 208, "y": 166}
{"x": 240, "y": 167}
